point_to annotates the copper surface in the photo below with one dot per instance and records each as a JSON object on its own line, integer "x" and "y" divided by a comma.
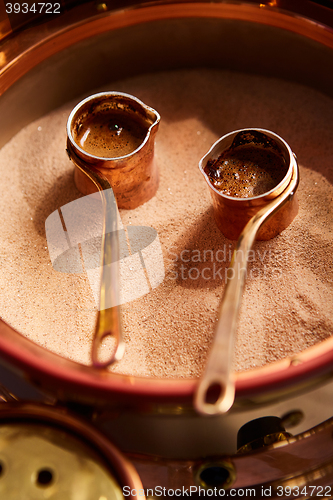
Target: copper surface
{"x": 70, "y": 380}
{"x": 5, "y": 27}
{"x": 302, "y": 461}
{"x": 33, "y": 46}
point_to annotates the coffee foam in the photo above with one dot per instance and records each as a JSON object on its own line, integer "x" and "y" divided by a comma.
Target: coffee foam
{"x": 246, "y": 171}
{"x": 110, "y": 134}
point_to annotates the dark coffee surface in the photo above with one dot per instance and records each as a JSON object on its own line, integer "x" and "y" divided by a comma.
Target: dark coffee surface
{"x": 246, "y": 171}
{"x": 110, "y": 134}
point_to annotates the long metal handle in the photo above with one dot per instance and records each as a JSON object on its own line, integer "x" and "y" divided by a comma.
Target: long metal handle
{"x": 217, "y": 381}
{"x": 108, "y": 323}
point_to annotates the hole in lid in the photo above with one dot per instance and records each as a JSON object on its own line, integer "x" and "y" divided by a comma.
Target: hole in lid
{"x": 2, "y": 468}
{"x": 44, "y": 477}
{"x": 215, "y": 476}
{"x": 213, "y": 393}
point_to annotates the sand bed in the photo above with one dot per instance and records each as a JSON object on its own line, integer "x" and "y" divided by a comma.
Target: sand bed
{"x": 287, "y": 305}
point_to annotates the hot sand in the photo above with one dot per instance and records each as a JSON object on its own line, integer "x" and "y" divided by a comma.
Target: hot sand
{"x": 288, "y": 302}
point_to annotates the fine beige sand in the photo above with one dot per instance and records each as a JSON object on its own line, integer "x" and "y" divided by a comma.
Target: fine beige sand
{"x": 287, "y": 304}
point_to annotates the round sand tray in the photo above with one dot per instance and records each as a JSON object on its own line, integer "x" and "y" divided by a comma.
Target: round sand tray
{"x": 287, "y": 304}
{"x": 201, "y": 94}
